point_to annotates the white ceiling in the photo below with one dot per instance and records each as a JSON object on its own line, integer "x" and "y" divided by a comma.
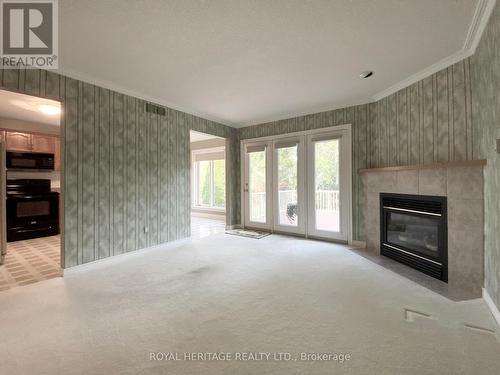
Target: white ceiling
{"x": 27, "y": 108}
{"x": 243, "y": 62}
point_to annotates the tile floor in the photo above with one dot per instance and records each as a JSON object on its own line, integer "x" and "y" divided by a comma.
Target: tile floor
{"x": 203, "y": 226}
{"x": 30, "y": 261}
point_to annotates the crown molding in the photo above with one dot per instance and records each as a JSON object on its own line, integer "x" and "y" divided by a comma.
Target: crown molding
{"x": 310, "y": 111}
{"x": 111, "y": 86}
{"x": 482, "y": 13}
{"x": 424, "y": 73}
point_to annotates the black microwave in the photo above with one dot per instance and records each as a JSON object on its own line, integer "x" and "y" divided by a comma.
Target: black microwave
{"x": 29, "y": 160}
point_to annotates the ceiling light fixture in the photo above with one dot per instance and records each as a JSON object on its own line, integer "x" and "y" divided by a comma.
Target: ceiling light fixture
{"x": 366, "y": 74}
{"x": 50, "y": 110}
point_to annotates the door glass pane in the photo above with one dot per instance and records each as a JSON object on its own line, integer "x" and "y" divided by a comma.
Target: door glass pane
{"x": 257, "y": 186}
{"x": 326, "y": 185}
{"x": 287, "y": 185}
{"x": 204, "y": 183}
{"x": 219, "y": 183}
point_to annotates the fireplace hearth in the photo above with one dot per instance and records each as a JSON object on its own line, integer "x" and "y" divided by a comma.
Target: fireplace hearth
{"x": 413, "y": 231}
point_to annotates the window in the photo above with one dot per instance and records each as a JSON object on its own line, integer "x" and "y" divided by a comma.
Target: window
{"x": 209, "y": 180}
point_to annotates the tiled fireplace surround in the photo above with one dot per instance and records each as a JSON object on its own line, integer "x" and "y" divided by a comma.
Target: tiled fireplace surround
{"x": 462, "y": 184}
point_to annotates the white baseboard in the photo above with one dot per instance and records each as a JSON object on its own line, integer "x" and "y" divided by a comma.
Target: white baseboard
{"x": 118, "y": 257}
{"x": 493, "y": 308}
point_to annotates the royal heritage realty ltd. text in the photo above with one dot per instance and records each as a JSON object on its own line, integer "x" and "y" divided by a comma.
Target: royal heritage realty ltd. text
{"x": 249, "y": 356}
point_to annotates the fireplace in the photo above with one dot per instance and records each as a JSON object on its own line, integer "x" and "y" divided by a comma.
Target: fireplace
{"x": 413, "y": 231}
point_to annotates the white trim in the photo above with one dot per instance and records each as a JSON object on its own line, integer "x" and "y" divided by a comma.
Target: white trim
{"x": 482, "y": 14}
{"x": 293, "y": 134}
{"x": 195, "y": 182}
{"x": 269, "y": 141}
{"x": 479, "y": 21}
{"x": 119, "y": 257}
{"x": 345, "y": 173}
{"x": 306, "y": 112}
{"x": 268, "y": 149}
{"x": 120, "y": 89}
{"x": 208, "y": 211}
{"x": 300, "y": 228}
{"x": 493, "y": 308}
{"x": 424, "y": 73}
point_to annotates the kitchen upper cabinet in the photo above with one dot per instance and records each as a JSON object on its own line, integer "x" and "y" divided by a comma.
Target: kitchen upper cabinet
{"x": 42, "y": 143}
{"x": 17, "y": 141}
{"x": 28, "y": 142}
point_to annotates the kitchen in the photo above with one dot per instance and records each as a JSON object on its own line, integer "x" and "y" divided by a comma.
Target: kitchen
{"x": 30, "y": 187}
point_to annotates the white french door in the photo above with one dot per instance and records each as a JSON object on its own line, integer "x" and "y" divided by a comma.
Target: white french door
{"x": 299, "y": 183}
{"x": 289, "y": 208}
{"x": 257, "y": 178}
{"x": 329, "y": 185}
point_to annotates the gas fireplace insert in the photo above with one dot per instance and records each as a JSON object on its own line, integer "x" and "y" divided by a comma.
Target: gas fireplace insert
{"x": 413, "y": 231}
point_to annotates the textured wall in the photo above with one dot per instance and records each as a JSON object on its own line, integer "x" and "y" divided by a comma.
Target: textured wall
{"x": 486, "y": 89}
{"x": 125, "y": 169}
{"x": 427, "y": 122}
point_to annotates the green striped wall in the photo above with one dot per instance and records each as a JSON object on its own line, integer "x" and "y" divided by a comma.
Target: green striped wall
{"x": 124, "y": 169}
{"x": 127, "y": 169}
{"x": 427, "y": 122}
{"x": 486, "y": 88}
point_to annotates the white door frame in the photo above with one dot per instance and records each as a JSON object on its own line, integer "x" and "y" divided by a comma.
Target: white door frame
{"x": 245, "y": 203}
{"x": 269, "y": 140}
{"x": 345, "y": 181}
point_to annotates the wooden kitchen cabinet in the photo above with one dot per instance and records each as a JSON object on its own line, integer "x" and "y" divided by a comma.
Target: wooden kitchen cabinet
{"x": 42, "y": 143}
{"x": 16, "y": 141}
{"x": 31, "y": 142}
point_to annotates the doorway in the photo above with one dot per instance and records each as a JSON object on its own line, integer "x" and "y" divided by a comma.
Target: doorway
{"x": 30, "y": 189}
{"x": 299, "y": 183}
{"x": 208, "y": 184}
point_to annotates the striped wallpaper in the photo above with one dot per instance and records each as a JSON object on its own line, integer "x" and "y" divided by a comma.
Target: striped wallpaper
{"x": 126, "y": 171}
{"x": 486, "y": 89}
{"x": 427, "y": 122}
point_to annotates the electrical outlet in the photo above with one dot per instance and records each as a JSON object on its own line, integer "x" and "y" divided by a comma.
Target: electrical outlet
{"x": 145, "y": 229}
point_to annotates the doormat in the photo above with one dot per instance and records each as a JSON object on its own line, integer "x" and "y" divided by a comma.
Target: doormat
{"x": 247, "y": 233}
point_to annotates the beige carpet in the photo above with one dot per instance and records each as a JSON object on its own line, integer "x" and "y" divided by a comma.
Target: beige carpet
{"x": 237, "y": 295}
{"x": 30, "y": 261}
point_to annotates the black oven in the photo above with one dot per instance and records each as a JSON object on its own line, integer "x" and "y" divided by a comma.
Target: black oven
{"x": 29, "y": 160}
{"x": 32, "y": 209}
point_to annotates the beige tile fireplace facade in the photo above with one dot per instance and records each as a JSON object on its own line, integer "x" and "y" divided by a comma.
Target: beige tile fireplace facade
{"x": 462, "y": 184}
